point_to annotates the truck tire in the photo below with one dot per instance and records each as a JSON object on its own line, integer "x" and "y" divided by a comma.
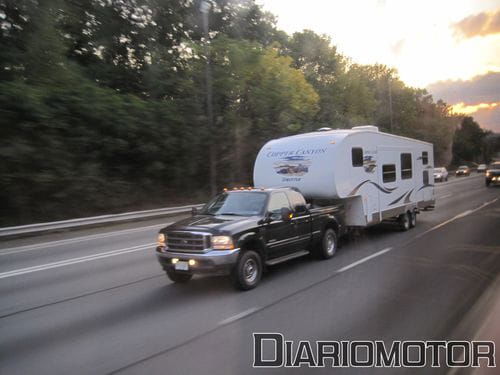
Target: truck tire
{"x": 328, "y": 245}
{"x": 413, "y": 219}
{"x": 404, "y": 222}
{"x": 177, "y": 277}
{"x": 487, "y": 183}
{"x": 248, "y": 270}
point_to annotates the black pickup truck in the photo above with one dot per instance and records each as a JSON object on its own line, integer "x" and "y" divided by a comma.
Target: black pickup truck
{"x": 240, "y": 232}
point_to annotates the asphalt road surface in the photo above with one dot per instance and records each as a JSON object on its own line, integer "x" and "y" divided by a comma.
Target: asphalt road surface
{"x": 96, "y": 301}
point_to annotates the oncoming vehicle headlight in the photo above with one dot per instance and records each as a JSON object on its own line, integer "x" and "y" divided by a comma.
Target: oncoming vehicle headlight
{"x": 161, "y": 239}
{"x": 222, "y": 243}
{"x": 488, "y": 174}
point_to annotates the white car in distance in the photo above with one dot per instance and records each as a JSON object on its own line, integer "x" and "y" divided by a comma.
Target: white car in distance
{"x": 440, "y": 174}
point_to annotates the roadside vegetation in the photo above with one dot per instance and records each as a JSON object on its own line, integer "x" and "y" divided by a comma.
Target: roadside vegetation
{"x": 103, "y": 104}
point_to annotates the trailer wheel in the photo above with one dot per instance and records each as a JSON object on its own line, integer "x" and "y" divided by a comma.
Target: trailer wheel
{"x": 328, "y": 246}
{"x": 404, "y": 222}
{"x": 413, "y": 219}
{"x": 177, "y": 277}
{"x": 247, "y": 272}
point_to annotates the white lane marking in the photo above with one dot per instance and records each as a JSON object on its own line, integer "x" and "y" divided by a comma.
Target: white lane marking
{"x": 445, "y": 196}
{"x": 238, "y": 316}
{"x": 245, "y": 313}
{"x": 68, "y": 262}
{"x": 251, "y": 310}
{"x": 22, "y": 249}
{"x": 459, "y": 216}
{"x": 365, "y": 259}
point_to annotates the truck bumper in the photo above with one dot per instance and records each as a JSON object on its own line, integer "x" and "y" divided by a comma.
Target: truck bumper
{"x": 215, "y": 262}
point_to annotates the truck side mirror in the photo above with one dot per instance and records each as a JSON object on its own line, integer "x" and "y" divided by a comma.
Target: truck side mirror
{"x": 286, "y": 214}
{"x": 194, "y": 211}
{"x": 301, "y": 209}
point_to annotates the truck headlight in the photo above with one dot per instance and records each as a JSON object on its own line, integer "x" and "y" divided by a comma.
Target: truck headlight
{"x": 222, "y": 243}
{"x": 161, "y": 239}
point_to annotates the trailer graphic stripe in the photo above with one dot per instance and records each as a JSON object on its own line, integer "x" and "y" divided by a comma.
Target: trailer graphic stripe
{"x": 426, "y": 185}
{"x": 398, "y": 199}
{"x": 382, "y": 189}
{"x": 407, "y": 199}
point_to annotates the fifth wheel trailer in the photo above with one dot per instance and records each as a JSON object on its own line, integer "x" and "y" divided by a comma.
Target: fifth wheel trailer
{"x": 377, "y": 176}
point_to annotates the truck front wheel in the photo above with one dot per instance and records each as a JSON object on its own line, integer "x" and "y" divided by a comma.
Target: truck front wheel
{"x": 328, "y": 246}
{"x": 247, "y": 271}
{"x": 177, "y": 277}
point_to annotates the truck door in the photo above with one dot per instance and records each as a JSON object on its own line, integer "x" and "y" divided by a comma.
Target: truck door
{"x": 301, "y": 220}
{"x": 280, "y": 236}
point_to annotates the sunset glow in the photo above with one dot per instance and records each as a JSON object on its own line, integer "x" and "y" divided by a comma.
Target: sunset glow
{"x": 470, "y": 109}
{"x": 427, "y": 41}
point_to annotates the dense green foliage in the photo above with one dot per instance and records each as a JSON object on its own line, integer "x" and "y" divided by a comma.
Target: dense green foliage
{"x": 103, "y": 102}
{"x": 473, "y": 144}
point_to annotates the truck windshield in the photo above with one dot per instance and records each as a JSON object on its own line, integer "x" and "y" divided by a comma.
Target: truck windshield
{"x": 237, "y": 203}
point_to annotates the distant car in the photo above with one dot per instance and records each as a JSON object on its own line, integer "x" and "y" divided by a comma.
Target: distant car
{"x": 463, "y": 170}
{"x": 440, "y": 174}
{"x": 493, "y": 174}
{"x": 481, "y": 168}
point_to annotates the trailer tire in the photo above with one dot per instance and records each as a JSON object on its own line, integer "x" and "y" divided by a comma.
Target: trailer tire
{"x": 413, "y": 219}
{"x": 404, "y": 222}
{"x": 177, "y": 277}
{"x": 329, "y": 244}
{"x": 247, "y": 271}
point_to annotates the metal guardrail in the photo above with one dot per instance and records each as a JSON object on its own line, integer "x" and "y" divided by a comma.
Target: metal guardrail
{"x": 103, "y": 219}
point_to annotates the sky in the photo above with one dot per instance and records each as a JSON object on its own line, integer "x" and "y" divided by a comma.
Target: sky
{"x": 440, "y": 45}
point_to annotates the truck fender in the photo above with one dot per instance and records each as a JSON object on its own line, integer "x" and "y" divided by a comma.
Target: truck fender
{"x": 332, "y": 221}
{"x": 255, "y": 238}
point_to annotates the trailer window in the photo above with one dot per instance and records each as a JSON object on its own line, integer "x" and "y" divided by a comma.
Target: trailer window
{"x": 389, "y": 172}
{"x": 425, "y": 158}
{"x": 357, "y": 156}
{"x": 426, "y": 177}
{"x": 406, "y": 166}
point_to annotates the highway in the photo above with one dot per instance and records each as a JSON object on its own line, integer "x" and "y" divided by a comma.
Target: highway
{"x": 96, "y": 301}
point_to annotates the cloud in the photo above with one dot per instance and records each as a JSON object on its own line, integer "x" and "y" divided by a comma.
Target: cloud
{"x": 397, "y": 47}
{"x": 488, "y": 118}
{"x": 478, "y": 97}
{"x": 480, "y": 89}
{"x": 481, "y": 24}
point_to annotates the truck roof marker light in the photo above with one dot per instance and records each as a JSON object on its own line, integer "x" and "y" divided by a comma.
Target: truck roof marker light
{"x": 235, "y": 188}
{"x": 242, "y": 188}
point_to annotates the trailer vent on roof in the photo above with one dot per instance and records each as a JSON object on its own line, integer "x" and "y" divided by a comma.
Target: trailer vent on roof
{"x": 366, "y": 127}
{"x": 323, "y": 129}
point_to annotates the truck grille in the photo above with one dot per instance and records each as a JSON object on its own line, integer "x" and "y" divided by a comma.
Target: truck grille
{"x": 188, "y": 241}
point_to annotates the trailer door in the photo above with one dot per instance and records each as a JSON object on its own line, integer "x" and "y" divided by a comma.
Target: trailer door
{"x": 387, "y": 166}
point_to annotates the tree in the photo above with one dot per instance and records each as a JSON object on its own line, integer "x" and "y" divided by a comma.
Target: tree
{"x": 468, "y": 142}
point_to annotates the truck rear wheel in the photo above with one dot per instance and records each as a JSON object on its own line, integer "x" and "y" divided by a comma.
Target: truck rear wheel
{"x": 247, "y": 271}
{"x": 177, "y": 277}
{"x": 404, "y": 221}
{"x": 328, "y": 246}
